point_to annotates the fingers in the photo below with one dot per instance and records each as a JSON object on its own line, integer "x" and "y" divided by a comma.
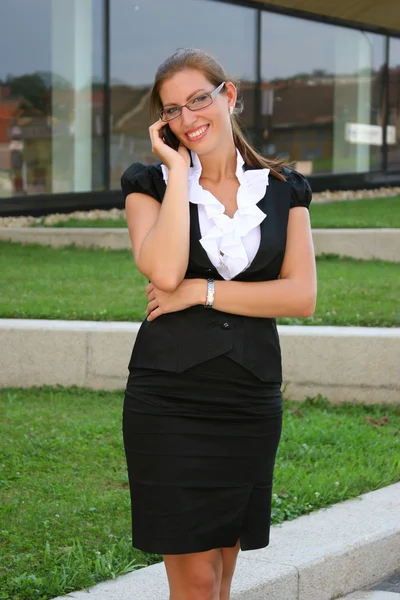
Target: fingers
{"x": 155, "y": 131}
{"x": 152, "y": 306}
{"x": 154, "y": 314}
{"x": 157, "y": 127}
{"x": 149, "y": 289}
{"x": 163, "y": 151}
{"x": 151, "y": 296}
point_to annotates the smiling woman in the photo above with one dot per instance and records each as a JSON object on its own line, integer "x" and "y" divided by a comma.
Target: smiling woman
{"x": 135, "y": 58}
{"x": 179, "y": 75}
{"x": 223, "y": 234}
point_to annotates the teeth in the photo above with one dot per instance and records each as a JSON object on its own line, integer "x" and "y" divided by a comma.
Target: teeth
{"x": 198, "y": 132}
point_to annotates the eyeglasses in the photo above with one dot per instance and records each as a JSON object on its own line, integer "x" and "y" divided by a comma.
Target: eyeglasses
{"x": 202, "y": 101}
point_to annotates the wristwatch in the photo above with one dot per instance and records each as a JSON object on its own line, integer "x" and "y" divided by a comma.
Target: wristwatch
{"x": 210, "y": 293}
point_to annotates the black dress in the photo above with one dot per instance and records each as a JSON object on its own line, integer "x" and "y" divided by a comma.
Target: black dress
{"x": 200, "y": 441}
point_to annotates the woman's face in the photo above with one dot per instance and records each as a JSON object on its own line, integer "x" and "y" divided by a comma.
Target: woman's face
{"x": 201, "y": 130}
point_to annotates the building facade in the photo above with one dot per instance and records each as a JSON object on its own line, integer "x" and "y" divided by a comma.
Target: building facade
{"x": 75, "y": 80}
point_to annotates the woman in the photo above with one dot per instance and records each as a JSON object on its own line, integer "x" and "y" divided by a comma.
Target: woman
{"x": 224, "y": 237}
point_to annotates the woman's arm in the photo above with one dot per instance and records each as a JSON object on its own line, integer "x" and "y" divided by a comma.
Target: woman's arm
{"x": 293, "y": 295}
{"x": 160, "y": 233}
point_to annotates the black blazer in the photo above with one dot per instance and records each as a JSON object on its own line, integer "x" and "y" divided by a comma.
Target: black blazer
{"x": 179, "y": 340}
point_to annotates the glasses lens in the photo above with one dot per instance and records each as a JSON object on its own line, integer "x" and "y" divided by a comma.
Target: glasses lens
{"x": 200, "y": 102}
{"x": 170, "y": 113}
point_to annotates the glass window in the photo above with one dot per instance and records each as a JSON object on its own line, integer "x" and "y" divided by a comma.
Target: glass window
{"x": 143, "y": 34}
{"x": 322, "y": 95}
{"x": 51, "y": 96}
{"x": 393, "y": 135}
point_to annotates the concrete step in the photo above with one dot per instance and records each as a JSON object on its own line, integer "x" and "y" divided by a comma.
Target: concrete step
{"x": 353, "y": 364}
{"x": 367, "y": 244}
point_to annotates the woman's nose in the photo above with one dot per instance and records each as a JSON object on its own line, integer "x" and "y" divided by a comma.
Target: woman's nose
{"x": 188, "y": 116}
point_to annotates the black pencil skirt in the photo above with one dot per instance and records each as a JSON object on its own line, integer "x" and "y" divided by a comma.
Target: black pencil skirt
{"x": 200, "y": 449}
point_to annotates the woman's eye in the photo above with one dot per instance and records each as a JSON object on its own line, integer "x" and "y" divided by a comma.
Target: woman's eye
{"x": 201, "y": 98}
{"x": 171, "y": 111}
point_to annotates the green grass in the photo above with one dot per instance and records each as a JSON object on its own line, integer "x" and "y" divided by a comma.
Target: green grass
{"x": 65, "y": 512}
{"x": 79, "y": 283}
{"x": 374, "y": 213}
{"x": 86, "y": 223}
{"x": 367, "y": 213}
{"x": 355, "y": 292}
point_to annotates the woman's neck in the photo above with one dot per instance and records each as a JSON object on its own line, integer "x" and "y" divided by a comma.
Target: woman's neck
{"x": 219, "y": 165}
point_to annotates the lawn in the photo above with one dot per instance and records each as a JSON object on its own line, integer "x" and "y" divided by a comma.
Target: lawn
{"x": 79, "y": 283}
{"x": 373, "y": 213}
{"x": 66, "y": 507}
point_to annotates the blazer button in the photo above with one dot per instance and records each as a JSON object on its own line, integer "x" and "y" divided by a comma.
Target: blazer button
{"x": 225, "y": 326}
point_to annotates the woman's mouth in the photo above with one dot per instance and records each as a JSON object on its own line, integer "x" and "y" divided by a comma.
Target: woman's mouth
{"x": 197, "y": 134}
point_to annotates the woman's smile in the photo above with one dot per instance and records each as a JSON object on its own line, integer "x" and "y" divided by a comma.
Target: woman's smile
{"x": 195, "y": 135}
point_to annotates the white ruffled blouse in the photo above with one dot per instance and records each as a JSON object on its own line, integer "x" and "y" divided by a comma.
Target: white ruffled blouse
{"x": 231, "y": 243}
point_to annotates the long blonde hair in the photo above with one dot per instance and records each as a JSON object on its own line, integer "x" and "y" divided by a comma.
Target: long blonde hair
{"x": 191, "y": 58}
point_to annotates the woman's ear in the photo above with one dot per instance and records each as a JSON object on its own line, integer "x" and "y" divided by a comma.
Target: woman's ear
{"x": 231, "y": 94}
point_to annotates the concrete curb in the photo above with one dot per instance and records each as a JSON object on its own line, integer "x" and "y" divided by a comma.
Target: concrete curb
{"x": 366, "y": 244}
{"x": 378, "y": 595}
{"x": 320, "y": 556}
{"x": 354, "y": 364}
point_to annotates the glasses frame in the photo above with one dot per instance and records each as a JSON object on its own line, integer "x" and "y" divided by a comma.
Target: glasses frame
{"x": 212, "y": 95}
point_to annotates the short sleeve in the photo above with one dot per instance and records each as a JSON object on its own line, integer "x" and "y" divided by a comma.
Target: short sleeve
{"x": 301, "y": 193}
{"x": 138, "y": 178}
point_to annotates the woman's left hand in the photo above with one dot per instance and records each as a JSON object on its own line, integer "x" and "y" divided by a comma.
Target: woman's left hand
{"x": 188, "y": 293}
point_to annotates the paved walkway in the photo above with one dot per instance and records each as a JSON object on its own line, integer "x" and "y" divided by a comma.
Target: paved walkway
{"x": 320, "y": 556}
{"x": 388, "y": 589}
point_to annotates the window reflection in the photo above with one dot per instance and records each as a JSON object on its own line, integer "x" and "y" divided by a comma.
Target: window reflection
{"x": 322, "y": 98}
{"x": 141, "y": 39}
{"x": 51, "y": 96}
{"x": 394, "y": 106}
{"x": 322, "y": 95}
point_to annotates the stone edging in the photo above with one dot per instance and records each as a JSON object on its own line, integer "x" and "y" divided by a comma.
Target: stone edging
{"x": 119, "y": 213}
{"x": 366, "y": 244}
{"x": 320, "y": 556}
{"x": 354, "y": 364}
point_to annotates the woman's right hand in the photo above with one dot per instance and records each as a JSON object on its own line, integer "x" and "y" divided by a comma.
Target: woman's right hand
{"x": 169, "y": 157}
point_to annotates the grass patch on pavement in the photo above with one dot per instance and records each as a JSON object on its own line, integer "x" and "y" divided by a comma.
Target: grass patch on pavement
{"x": 39, "y": 282}
{"x": 65, "y": 514}
{"x": 120, "y": 223}
{"x": 373, "y": 213}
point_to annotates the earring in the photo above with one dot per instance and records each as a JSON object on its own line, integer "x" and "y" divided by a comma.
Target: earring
{"x": 231, "y": 110}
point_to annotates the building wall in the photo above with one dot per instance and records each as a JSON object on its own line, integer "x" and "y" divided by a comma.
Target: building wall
{"x": 74, "y": 103}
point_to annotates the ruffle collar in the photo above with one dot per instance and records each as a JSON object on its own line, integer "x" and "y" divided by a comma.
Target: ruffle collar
{"x": 224, "y": 240}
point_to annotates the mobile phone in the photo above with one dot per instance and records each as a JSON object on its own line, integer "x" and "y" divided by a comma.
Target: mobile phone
{"x": 170, "y": 138}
